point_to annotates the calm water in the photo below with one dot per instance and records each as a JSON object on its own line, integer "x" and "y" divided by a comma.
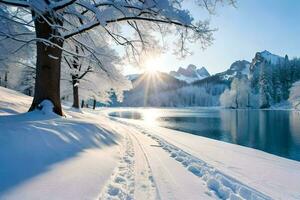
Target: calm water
{"x": 275, "y": 132}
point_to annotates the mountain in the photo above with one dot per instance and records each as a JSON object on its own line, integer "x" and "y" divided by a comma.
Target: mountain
{"x": 158, "y": 81}
{"x": 265, "y": 57}
{"x": 269, "y": 57}
{"x": 268, "y": 77}
{"x": 269, "y": 81}
{"x": 238, "y": 69}
{"x": 145, "y": 86}
{"x": 243, "y": 68}
{"x": 190, "y": 74}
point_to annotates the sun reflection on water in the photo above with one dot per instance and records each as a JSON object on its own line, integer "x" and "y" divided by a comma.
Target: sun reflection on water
{"x": 150, "y": 116}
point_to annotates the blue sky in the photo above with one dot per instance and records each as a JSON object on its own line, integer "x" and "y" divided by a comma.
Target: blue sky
{"x": 255, "y": 25}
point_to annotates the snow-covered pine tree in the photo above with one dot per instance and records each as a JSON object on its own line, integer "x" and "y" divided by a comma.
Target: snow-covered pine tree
{"x": 296, "y": 69}
{"x": 287, "y": 72}
{"x": 113, "y": 98}
{"x": 294, "y": 97}
{"x": 265, "y": 85}
{"x": 277, "y": 90}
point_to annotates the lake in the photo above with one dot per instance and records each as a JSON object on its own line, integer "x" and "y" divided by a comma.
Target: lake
{"x": 273, "y": 131}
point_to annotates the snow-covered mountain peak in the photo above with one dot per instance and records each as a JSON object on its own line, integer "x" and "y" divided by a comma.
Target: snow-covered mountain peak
{"x": 203, "y": 72}
{"x": 190, "y": 74}
{"x": 241, "y": 66}
{"x": 191, "y": 67}
{"x": 238, "y": 69}
{"x": 266, "y": 55}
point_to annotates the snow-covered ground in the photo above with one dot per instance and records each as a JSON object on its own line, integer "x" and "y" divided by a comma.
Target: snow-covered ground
{"x": 89, "y": 155}
{"x": 273, "y": 176}
{"x": 44, "y": 156}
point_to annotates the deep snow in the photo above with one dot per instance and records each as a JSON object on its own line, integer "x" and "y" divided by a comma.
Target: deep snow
{"x": 89, "y": 155}
{"x": 45, "y": 156}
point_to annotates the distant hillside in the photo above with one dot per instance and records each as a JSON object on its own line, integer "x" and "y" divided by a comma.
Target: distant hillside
{"x": 269, "y": 77}
{"x": 238, "y": 69}
{"x": 146, "y": 85}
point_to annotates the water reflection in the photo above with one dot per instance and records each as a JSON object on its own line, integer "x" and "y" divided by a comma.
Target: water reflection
{"x": 265, "y": 130}
{"x": 150, "y": 116}
{"x": 127, "y": 114}
{"x": 276, "y": 132}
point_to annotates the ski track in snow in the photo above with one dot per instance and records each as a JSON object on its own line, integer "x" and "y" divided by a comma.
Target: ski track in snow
{"x": 145, "y": 187}
{"x": 220, "y": 185}
{"x": 121, "y": 185}
{"x": 132, "y": 179}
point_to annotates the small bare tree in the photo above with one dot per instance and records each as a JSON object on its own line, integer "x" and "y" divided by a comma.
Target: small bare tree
{"x": 77, "y": 73}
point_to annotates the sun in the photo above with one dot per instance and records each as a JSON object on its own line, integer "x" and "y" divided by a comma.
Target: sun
{"x": 153, "y": 64}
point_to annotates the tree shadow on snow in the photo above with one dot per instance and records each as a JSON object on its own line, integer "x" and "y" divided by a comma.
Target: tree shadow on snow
{"x": 8, "y": 110}
{"x": 29, "y": 147}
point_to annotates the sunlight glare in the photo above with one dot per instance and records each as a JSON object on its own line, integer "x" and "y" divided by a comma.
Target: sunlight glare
{"x": 150, "y": 116}
{"x": 153, "y": 64}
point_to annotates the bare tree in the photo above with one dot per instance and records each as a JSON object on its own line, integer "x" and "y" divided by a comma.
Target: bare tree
{"x": 58, "y": 21}
{"x": 88, "y": 74}
{"x": 78, "y": 72}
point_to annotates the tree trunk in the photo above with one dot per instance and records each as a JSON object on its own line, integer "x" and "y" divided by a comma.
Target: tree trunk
{"x": 236, "y": 102}
{"x": 75, "y": 92}
{"x": 248, "y": 100}
{"x": 94, "y": 104}
{"x": 82, "y": 103}
{"x": 47, "y": 83}
{"x": 5, "y": 80}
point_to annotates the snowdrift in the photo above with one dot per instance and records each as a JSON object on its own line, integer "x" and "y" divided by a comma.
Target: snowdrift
{"x": 43, "y": 153}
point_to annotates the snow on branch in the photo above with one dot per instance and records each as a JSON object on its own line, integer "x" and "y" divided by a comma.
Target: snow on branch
{"x": 79, "y": 16}
{"x": 15, "y": 3}
{"x": 132, "y": 25}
